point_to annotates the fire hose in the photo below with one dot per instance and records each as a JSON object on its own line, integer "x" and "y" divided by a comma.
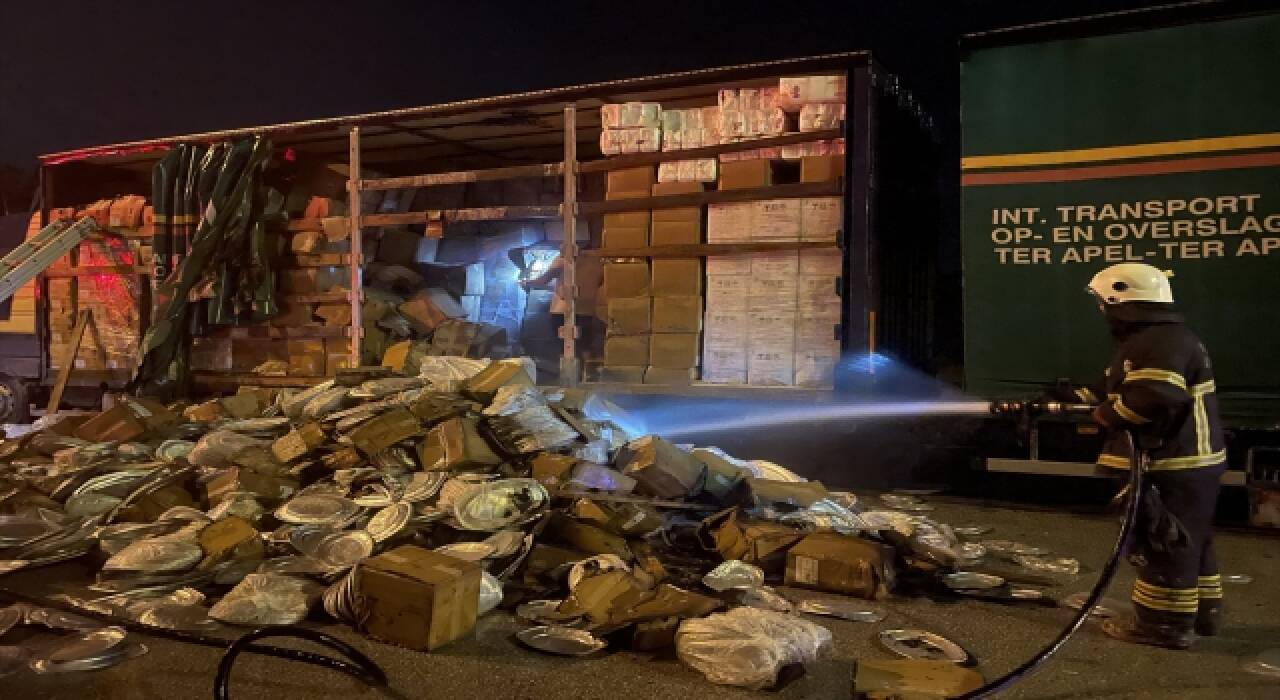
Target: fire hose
{"x": 1138, "y": 463}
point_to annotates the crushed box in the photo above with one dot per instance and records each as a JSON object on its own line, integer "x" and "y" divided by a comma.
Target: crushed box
{"x": 417, "y": 598}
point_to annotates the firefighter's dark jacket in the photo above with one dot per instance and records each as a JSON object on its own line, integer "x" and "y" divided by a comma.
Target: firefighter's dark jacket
{"x": 1160, "y": 382}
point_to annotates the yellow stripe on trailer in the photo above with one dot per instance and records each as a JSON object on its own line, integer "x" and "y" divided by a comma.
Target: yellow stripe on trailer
{"x": 1137, "y": 150}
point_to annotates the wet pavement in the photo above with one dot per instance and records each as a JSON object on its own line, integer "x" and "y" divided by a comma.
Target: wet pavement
{"x": 491, "y": 665}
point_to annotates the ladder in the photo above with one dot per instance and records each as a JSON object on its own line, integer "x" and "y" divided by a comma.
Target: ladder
{"x": 37, "y": 253}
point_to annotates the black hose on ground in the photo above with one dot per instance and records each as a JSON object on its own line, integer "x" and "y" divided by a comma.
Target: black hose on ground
{"x": 363, "y": 668}
{"x": 1136, "y": 466}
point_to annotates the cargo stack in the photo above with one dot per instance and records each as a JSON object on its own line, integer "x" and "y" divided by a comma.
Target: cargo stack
{"x": 676, "y": 285}
{"x": 627, "y": 290}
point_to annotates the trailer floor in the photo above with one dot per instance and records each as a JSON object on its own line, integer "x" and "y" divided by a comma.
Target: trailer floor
{"x": 493, "y": 667}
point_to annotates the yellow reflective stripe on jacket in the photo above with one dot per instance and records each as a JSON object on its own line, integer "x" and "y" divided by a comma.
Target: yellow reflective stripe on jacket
{"x": 1210, "y": 586}
{"x": 1192, "y": 462}
{"x": 1204, "y": 388}
{"x": 1157, "y": 375}
{"x": 1086, "y": 395}
{"x": 1128, "y": 413}
{"x": 1115, "y": 461}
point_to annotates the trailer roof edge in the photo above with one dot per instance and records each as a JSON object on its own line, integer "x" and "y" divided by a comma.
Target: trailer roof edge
{"x": 1118, "y": 22}
{"x": 564, "y": 93}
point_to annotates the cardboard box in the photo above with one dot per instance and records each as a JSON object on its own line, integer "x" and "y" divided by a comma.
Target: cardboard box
{"x": 632, "y": 179}
{"x": 821, "y": 168}
{"x": 772, "y": 293}
{"x": 738, "y": 264}
{"x": 723, "y": 475}
{"x": 306, "y": 358}
{"x": 677, "y": 314}
{"x": 771, "y": 325}
{"x": 816, "y": 329}
{"x": 429, "y": 308}
{"x": 725, "y": 328}
{"x": 626, "y": 519}
{"x": 676, "y": 232}
{"x": 730, "y": 223}
{"x": 627, "y": 219}
{"x": 551, "y": 469}
{"x": 626, "y": 279}
{"x": 776, "y": 220}
{"x": 299, "y": 442}
{"x": 682, "y": 215}
{"x": 841, "y": 564}
{"x": 230, "y": 536}
{"x": 676, "y": 277}
{"x": 622, "y": 375}
{"x": 674, "y": 350}
{"x": 790, "y": 495}
{"x": 745, "y": 174}
{"x": 770, "y": 364}
{"x": 670, "y": 377}
{"x": 628, "y": 315}
{"x": 815, "y": 365}
{"x": 764, "y": 544}
{"x": 585, "y": 538}
{"x": 775, "y": 264}
{"x": 821, "y": 219}
{"x": 724, "y": 365}
{"x": 727, "y": 292}
{"x": 417, "y": 598}
{"x": 589, "y": 476}
{"x": 817, "y": 291}
{"x": 821, "y": 262}
{"x": 624, "y": 238}
{"x": 660, "y": 469}
{"x": 626, "y": 350}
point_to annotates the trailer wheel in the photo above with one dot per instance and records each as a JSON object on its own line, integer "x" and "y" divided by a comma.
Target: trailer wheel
{"x": 15, "y": 406}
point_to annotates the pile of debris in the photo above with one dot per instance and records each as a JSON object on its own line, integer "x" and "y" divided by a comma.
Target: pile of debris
{"x": 407, "y": 506}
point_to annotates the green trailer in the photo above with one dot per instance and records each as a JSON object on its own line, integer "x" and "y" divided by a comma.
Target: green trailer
{"x": 1158, "y": 144}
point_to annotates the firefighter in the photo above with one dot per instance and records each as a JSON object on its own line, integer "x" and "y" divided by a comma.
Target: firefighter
{"x": 1160, "y": 386}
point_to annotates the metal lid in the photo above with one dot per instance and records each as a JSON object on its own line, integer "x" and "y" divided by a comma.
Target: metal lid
{"x": 156, "y": 555}
{"x": 467, "y": 551}
{"x": 345, "y": 549}
{"x": 563, "y": 641}
{"x": 919, "y": 644}
{"x": 424, "y": 485}
{"x": 88, "y": 645}
{"x": 389, "y": 521}
{"x": 316, "y": 508}
{"x": 496, "y": 505}
{"x": 841, "y": 609}
{"x": 971, "y": 580}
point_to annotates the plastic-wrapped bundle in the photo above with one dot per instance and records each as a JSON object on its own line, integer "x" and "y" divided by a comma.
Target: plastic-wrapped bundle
{"x": 747, "y": 647}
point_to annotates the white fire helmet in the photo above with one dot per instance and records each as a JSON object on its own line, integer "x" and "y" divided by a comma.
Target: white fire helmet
{"x": 1126, "y": 282}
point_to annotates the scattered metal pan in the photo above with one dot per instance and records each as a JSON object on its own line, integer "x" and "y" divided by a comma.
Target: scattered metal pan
{"x": 1106, "y": 607}
{"x": 840, "y": 609}
{"x": 505, "y": 542}
{"x": 11, "y": 616}
{"x": 171, "y": 451}
{"x": 257, "y": 425}
{"x": 389, "y": 521}
{"x": 316, "y": 509}
{"x": 87, "y": 651}
{"x": 345, "y": 549}
{"x": 467, "y": 551}
{"x": 1266, "y": 663}
{"x": 971, "y": 580}
{"x": 971, "y": 530}
{"x": 1010, "y": 548}
{"x": 1237, "y": 578}
{"x": 919, "y": 644}
{"x": 592, "y": 566}
{"x": 562, "y": 641}
{"x": 497, "y": 505}
{"x": 156, "y": 556}
{"x": 16, "y": 530}
{"x": 424, "y": 485}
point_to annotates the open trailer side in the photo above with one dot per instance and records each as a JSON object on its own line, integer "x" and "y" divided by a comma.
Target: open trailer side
{"x": 490, "y": 175}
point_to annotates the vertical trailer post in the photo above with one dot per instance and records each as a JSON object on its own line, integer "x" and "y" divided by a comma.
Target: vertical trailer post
{"x": 42, "y": 282}
{"x": 859, "y": 197}
{"x": 570, "y": 369}
{"x": 357, "y": 243}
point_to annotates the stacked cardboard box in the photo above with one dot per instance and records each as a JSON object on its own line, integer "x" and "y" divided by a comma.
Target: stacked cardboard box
{"x": 771, "y": 318}
{"x": 626, "y": 291}
{"x": 630, "y": 127}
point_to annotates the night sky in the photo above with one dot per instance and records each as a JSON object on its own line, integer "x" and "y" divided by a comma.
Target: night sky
{"x": 84, "y": 73}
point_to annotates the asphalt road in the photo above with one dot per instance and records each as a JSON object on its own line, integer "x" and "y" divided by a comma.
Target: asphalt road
{"x": 492, "y": 666}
